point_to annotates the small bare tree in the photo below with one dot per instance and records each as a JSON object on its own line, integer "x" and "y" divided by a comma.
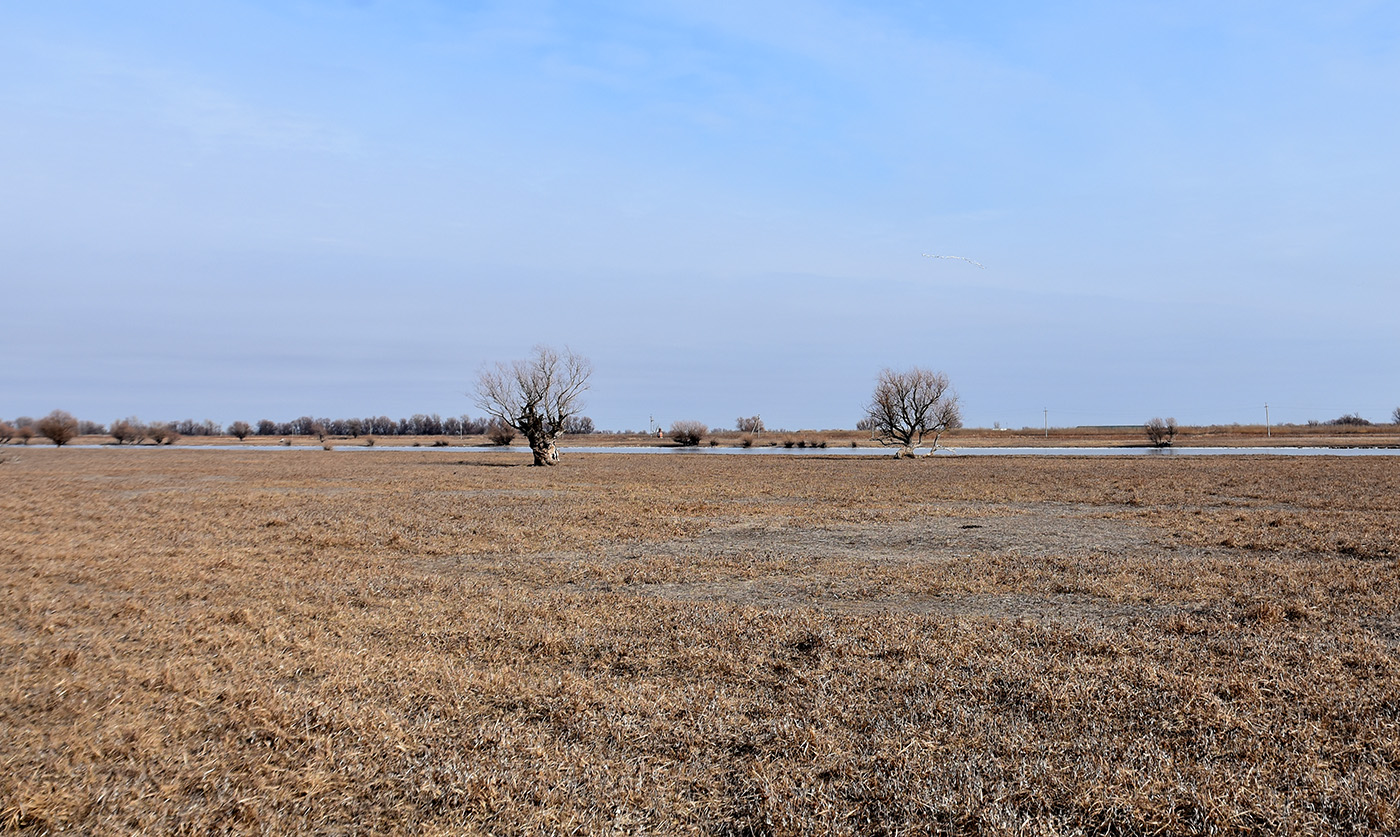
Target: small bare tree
{"x": 908, "y": 406}
{"x": 537, "y": 396}
{"x": 240, "y": 429}
{"x": 1395, "y": 416}
{"x": 58, "y": 427}
{"x": 7, "y": 432}
{"x": 25, "y": 432}
{"x": 1161, "y": 433}
{"x": 750, "y": 424}
{"x": 688, "y": 433}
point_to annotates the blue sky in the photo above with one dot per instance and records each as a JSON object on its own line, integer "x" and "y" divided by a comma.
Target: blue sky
{"x": 264, "y": 210}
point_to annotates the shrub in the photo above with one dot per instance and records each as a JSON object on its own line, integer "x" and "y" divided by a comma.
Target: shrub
{"x": 59, "y": 427}
{"x": 7, "y": 432}
{"x": 747, "y": 442}
{"x": 128, "y": 430}
{"x": 1161, "y": 433}
{"x": 1352, "y": 420}
{"x": 1395, "y": 416}
{"x": 688, "y": 432}
{"x": 25, "y": 433}
{"x": 500, "y": 433}
{"x": 162, "y": 434}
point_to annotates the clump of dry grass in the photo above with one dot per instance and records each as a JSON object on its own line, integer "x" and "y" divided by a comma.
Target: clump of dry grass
{"x": 417, "y": 642}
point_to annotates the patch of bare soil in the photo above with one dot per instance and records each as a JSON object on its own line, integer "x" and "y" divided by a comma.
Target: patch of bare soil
{"x": 831, "y": 568}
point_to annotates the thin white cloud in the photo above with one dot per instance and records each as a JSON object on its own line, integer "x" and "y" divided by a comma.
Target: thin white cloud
{"x": 208, "y": 114}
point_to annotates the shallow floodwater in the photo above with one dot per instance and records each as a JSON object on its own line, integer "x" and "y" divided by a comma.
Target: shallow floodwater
{"x": 807, "y": 451}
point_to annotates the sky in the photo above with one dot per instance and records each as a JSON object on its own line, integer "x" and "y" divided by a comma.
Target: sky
{"x": 245, "y": 210}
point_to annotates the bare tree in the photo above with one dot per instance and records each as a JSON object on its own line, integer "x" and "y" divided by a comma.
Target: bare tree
{"x": 1161, "y": 433}
{"x": 240, "y": 429}
{"x": 751, "y": 424}
{"x": 910, "y": 405}
{"x": 25, "y": 432}
{"x": 688, "y": 432}
{"x": 578, "y": 426}
{"x": 7, "y": 432}
{"x": 536, "y": 396}
{"x": 1395, "y": 416}
{"x": 59, "y": 427}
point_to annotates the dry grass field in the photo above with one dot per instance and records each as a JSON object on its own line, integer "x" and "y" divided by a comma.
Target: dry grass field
{"x": 449, "y": 642}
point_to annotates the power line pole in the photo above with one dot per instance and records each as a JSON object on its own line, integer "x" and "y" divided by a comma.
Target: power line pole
{"x": 1268, "y": 431}
{"x": 1047, "y": 422}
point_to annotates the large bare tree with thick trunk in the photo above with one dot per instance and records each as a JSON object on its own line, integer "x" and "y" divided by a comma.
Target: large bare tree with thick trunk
{"x": 536, "y": 395}
{"x": 911, "y": 405}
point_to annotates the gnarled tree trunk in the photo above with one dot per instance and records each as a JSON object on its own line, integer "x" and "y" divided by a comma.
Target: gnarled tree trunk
{"x": 545, "y": 452}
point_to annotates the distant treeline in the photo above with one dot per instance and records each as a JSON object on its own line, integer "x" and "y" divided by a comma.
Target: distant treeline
{"x": 133, "y": 428}
{"x": 417, "y": 425}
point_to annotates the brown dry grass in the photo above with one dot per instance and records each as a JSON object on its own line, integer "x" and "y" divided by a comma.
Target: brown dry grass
{"x": 438, "y": 642}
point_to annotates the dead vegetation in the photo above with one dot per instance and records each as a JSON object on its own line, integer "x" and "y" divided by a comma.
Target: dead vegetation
{"x": 446, "y": 643}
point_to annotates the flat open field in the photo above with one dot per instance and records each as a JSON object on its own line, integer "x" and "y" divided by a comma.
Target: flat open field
{"x": 438, "y": 643}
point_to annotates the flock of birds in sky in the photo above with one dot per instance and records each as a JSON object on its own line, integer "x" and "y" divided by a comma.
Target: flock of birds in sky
{"x": 959, "y": 258}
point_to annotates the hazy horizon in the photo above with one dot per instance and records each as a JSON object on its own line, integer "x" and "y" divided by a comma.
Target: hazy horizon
{"x": 247, "y": 210}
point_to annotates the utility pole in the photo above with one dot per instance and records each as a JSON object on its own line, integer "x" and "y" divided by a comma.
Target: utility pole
{"x": 1047, "y": 422}
{"x": 1268, "y": 431}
